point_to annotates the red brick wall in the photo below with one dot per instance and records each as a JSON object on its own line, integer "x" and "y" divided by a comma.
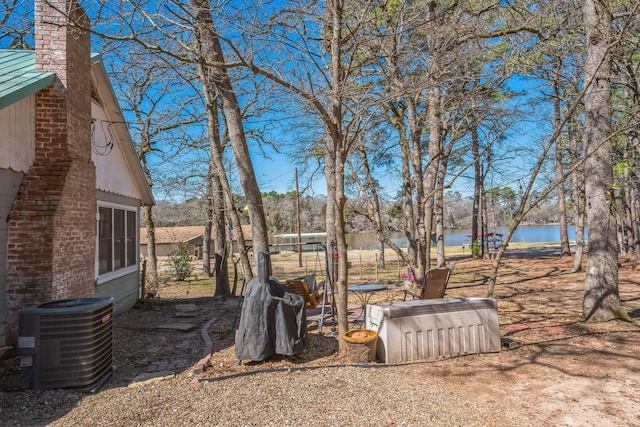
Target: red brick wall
{"x": 52, "y": 226}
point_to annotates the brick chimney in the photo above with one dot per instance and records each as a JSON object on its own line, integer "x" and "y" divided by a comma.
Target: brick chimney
{"x": 52, "y": 226}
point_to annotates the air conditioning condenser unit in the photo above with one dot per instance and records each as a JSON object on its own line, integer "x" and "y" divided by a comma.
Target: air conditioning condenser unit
{"x": 66, "y": 343}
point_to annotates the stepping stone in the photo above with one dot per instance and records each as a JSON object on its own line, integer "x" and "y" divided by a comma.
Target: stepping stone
{"x": 178, "y": 326}
{"x": 187, "y": 308}
{"x": 181, "y": 314}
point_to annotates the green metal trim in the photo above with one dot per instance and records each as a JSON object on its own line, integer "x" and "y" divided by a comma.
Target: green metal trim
{"x": 18, "y": 78}
{"x": 27, "y": 88}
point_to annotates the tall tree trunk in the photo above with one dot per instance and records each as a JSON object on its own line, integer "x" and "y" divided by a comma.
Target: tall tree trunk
{"x": 221, "y": 191}
{"x": 219, "y": 234}
{"x": 434, "y": 99}
{"x": 397, "y": 118}
{"x": 379, "y": 228}
{"x": 477, "y": 188}
{"x": 420, "y": 242}
{"x": 577, "y": 183}
{"x": 483, "y": 226}
{"x": 601, "y": 297}
{"x": 151, "y": 280}
{"x": 405, "y": 116}
{"x": 635, "y": 203}
{"x": 370, "y": 192}
{"x": 336, "y": 244}
{"x": 435, "y": 152}
{"x": 220, "y": 247}
{"x": 208, "y": 224}
{"x": 413, "y": 185}
{"x": 336, "y": 154}
{"x": 330, "y": 217}
{"x": 212, "y": 53}
{"x": 565, "y": 249}
{"x": 408, "y": 207}
{"x": 439, "y": 214}
{"x": 628, "y": 204}
{"x": 152, "y": 285}
{"x": 343, "y": 261}
{"x": 217, "y": 79}
{"x": 634, "y": 139}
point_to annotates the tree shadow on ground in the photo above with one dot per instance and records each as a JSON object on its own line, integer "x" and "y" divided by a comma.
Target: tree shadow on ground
{"x": 591, "y": 355}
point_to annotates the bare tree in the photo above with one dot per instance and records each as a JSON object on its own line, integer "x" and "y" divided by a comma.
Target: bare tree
{"x": 148, "y": 92}
{"x": 577, "y": 193}
{"x": 16, "y": 25}
{"x": 184, "y": 32}
{"x": 601, "y": 297}
{"x": 478, "y": 187}
{"x": 211, "y": 53}
{"x": 216, "y": 184}
{"x": 369, "y": 190}
{"x": 326, "y": 96}
{"x": 627, "y": 69}
{"x": 565, "y": 250}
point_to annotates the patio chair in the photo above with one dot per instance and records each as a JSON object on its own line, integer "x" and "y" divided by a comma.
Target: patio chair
{"x": 435, "y": 284}
{"x": 300, "y": 287}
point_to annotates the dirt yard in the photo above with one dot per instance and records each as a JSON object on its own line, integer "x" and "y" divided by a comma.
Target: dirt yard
{"x": 553, "y": 369}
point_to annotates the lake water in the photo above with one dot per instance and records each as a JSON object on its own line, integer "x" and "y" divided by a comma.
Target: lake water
{"x": 523, "y": 234}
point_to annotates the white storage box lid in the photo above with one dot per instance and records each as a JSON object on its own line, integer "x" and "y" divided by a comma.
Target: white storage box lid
{"x": 433, "y": 306}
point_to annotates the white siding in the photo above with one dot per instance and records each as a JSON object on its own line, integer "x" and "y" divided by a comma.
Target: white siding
{"x": 17, "y": 135}
{"x": 8, "y": 190}
{"x": 112, "y": 173}
{"x": 125, "y": 291}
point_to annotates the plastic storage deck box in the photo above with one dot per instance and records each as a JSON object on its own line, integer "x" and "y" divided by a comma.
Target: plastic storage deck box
{"x": 431, "y": 329}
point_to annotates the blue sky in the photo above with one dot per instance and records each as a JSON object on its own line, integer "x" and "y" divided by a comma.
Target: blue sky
{"x": 277, "y": 172}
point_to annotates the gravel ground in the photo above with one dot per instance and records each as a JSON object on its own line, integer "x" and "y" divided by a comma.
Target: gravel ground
{"x": 519, "y": 387}
{"x": 568, "y": 382}
{"x": 562, "y": 373}
{"x": 344, "y": 396}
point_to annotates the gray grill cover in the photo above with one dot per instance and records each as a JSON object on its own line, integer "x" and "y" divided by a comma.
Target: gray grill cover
{"x": 273, "y": 318}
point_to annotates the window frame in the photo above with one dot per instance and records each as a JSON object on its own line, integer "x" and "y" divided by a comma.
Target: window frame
{"x": 126, "y": 270}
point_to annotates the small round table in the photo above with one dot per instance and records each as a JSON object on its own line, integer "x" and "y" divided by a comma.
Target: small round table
{"x": 363, "y": 293}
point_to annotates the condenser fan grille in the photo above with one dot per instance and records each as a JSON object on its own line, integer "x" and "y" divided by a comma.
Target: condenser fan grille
{"x": 69, "y": 343}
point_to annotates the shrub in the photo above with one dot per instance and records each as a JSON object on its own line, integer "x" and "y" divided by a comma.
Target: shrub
{"x": 475, "y": 248}
{"x": 182, "y": 262}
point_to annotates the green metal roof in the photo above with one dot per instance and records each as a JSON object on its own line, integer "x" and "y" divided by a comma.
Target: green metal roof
{"x": 19, "y": 78}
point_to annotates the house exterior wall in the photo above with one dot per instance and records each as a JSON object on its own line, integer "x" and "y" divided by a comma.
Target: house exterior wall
{"x": 17, "y": 141}
{"x": 51, "y": 227}
{"x": 10, "y": 184}
{"x": 125, "y": 291}
{"x": 124, "y": 287}
{"x": 108, "y": 157}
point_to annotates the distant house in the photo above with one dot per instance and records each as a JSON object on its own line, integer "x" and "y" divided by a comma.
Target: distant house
{"x": 72, "y": 185}
{"x": 168, "y": 238}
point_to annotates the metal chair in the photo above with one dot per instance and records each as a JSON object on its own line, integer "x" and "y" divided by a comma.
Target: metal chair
{"x": 435, "y": 285}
